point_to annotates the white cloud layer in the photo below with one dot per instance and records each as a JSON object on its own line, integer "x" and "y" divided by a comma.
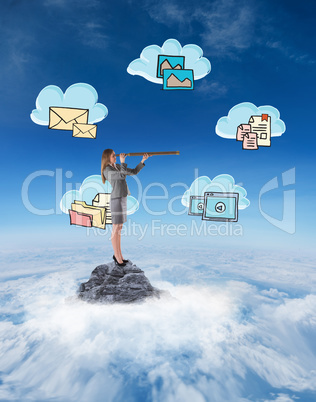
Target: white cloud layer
{"x": 214, "y": 340}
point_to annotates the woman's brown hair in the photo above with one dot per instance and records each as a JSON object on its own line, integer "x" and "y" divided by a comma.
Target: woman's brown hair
{"x": 105, "y": 160}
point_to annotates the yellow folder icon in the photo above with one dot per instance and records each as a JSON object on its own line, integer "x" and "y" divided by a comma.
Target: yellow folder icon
{"x": 63, "y": 118}
{"x": 103, "y": 200}
{"x": 84, "y": 130}
{"x": 98, "y": 213}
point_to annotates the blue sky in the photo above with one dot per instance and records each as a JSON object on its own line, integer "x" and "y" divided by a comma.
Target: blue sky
{"x": 260, "y": 52}
{"x": 240, "y": 325}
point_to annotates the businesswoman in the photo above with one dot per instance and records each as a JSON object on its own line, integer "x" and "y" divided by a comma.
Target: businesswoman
{"x": 116, "y": 175}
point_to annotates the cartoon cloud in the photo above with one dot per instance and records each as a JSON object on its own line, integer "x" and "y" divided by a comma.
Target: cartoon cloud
{"x": 146, "y": 65}
{"x": 223, "y": 183}
{"x": 227, "y": 125}
{"x": 90, "y": 187}
{"x": 80, "y": 95}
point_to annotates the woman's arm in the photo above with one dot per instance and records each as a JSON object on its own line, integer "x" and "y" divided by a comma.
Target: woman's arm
{"x": 134, "y": 171}
{"x": 131, "y": 172}
{"x": 112, "y": 173}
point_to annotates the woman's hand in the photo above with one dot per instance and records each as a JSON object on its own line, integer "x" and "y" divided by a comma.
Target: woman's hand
{"x": 145, "y": 156}
{"x": 122, "y": 158}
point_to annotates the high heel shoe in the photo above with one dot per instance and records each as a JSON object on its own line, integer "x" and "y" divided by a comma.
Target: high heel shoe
{"x": 122, "y": 264}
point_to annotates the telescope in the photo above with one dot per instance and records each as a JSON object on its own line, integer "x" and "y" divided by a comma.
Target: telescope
{"x": 151, "y": 153}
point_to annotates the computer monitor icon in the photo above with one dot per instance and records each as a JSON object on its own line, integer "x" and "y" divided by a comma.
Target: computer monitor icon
{"x": 196, "y": 205}
{"x": 222, "y": 207}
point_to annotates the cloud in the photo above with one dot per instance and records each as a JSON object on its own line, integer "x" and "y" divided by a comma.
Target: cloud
{"x": 72, "y": 3}
{"x": 89, "y": 188}
{"x": 274, "y": 293}
{"x": 212, "y": 89}
{"x": 226, "y": 25}
{"x": 291, "y": 53}
{"x": 220, "y": 183}
{"x": 282, "y": 398}
{"x": 91, "y": 33}
{"x": 168, "y": 12}
{"x": 219, "y": 338}
{"x": 18, "y": 45}
{"x": 173, "y": 263}
{"x": 226, "y": 126}
{"x": 88, "y": 20}
{"x": 96, "y": 38}
{"x": 146, "y": 65}
{"x": 81, "y": 96}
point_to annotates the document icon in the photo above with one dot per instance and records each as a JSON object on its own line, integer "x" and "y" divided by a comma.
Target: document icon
{"x": 103, "y": 200}
{"x": 62, "y": 118}
{"x": 262, "y": 126}
{"x": 242, "y": 129}
{"x": 250, "y": 141}
{"x": 84, "y": 130}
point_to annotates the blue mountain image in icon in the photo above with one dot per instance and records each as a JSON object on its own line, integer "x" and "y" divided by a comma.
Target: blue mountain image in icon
{"x": 178, "y": 79}
{"x": 169, "y": 62}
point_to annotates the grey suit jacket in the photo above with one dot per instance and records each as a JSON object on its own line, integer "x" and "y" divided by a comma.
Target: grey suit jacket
{"x": 117, "y": 179}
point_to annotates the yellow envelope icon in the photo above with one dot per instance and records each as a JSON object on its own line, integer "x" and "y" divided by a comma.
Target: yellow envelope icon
{"x": 84, "y": 130}
{"x": 98, "y": 213}
{"x": 63, "y": 118}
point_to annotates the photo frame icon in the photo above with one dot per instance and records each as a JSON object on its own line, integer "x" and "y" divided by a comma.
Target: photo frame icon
{"x": 169, "y": 62}
{"x": 178, "y": 79}
{"x": 221, "y": 207}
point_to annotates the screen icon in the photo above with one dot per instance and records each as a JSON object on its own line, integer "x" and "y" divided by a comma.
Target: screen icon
{"x": 221, "y": 207}
{"x": 196, "y": 205}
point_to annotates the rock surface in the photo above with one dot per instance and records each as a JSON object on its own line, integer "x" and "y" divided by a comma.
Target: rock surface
{"x": 110, "y": 283}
